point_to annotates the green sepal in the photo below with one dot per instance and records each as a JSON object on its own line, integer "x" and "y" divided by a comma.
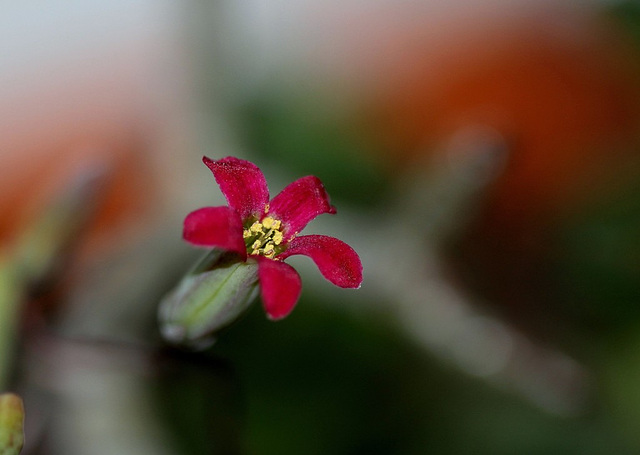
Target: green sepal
{"x": 209, "y": 298}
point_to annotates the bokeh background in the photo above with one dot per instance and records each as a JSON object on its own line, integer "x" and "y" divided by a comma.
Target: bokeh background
{"x": 484, "y": 157}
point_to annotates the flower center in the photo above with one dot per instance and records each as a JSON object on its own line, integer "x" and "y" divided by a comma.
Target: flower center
{"x": 264, "y": 238}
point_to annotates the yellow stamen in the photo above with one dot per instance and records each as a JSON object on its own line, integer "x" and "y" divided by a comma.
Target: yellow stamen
{"x": 264, "y": 237}
{"x": 268, "y": 222}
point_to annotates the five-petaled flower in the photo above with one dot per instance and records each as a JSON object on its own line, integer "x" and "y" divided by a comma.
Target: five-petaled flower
{"x": 267, "y": 231}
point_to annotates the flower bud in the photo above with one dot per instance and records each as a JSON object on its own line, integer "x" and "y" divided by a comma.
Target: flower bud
{"x": 11, "y": 423}
{"x": 212, "y": 296}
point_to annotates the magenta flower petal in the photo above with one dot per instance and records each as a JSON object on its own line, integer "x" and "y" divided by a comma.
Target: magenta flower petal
{"x": 300, "y": 202}
{"x": 336, "y": 260}
{"x": 280, "y": 287}
{"x": 242, "y": 183}
{"x": 215, "y": 227}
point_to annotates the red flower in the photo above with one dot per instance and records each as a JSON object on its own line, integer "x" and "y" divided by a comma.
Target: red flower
{"x": 267, "y": 232}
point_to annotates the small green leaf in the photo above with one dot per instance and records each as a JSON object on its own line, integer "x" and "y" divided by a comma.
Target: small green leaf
{"x": 206, "y": 301}
{"x": 11, "y": 424}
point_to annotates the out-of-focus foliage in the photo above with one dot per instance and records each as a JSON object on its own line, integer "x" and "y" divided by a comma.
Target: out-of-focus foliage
{"x": 308, "y": 136}
{"x": 627, "y": 15}
{"x": 598, "y": 267}
{"x": 330, "y": 381}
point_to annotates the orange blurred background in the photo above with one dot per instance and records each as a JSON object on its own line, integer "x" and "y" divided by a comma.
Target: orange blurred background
{"x": 89, "y": 87}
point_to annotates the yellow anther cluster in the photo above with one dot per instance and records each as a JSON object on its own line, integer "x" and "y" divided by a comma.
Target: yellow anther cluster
{"x": 263, "y": 238}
